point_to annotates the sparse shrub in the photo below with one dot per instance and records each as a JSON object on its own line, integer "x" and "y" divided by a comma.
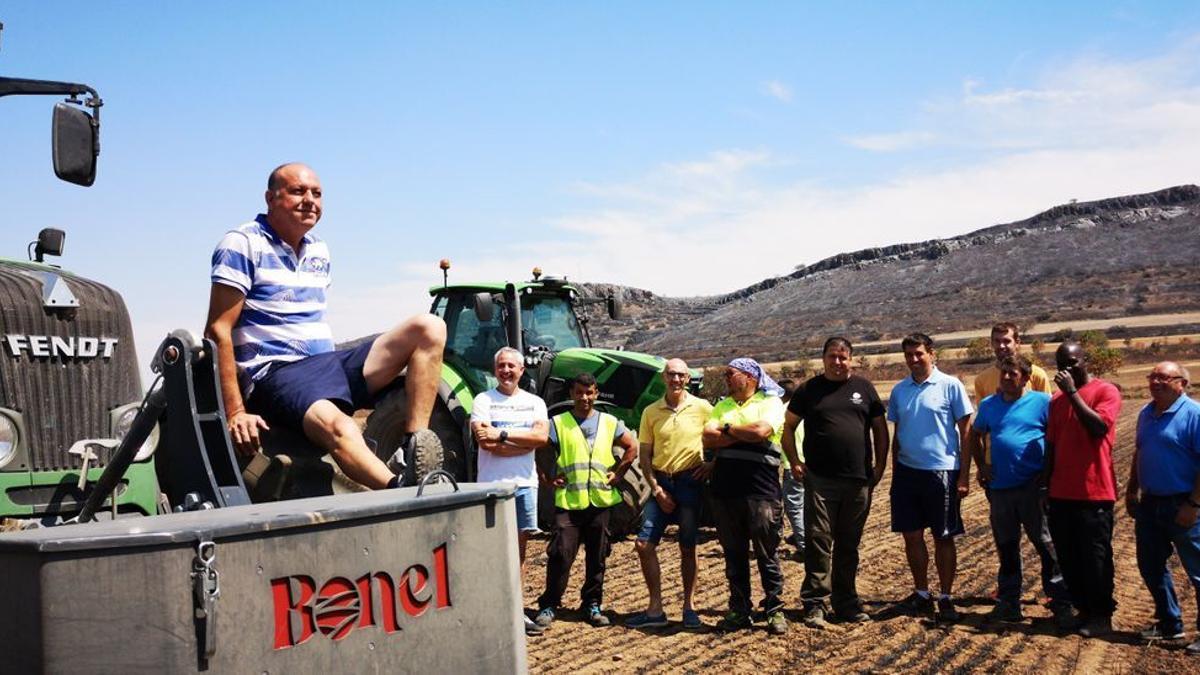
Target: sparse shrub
{"x": 1037, "y": 350}
{"x": 1062, "y": 334}
{"x": 1104, "y": 360}
{"x": 714, "y": 387}
{"x": 979, "y": 350}
{"x": 1129, "y": 343}
{"x": 1090, "y": 339}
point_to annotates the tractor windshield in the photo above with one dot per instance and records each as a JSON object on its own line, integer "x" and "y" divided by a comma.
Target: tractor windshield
{"x": 549, "y": 321}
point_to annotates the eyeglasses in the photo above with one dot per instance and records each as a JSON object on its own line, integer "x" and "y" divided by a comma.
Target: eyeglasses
{"x": 1162, "y": 379}
{"x": 672, "y": 376}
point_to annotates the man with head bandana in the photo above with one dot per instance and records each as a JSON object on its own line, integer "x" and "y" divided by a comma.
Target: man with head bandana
{"x": 741, "y": 440}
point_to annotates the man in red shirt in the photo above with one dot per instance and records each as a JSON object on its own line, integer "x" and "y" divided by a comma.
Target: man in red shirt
{"x": 1083, "y": 486}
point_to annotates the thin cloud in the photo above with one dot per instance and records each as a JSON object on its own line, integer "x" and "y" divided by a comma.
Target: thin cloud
{"x": 904, "y": 140}
{"x": 777, "y": 90}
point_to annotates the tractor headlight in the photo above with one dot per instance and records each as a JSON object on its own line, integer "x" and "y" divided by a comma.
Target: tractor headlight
{"x": 8, "y": 439}
{"x": 122, "y": 424}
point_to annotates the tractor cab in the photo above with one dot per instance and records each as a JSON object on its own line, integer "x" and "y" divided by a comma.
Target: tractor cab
{"x": 540, "y": 318}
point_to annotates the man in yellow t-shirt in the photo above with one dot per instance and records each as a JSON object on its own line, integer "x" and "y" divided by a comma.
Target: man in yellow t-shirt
{"x": 1006, "y": 342}
{"x": 671, "y": 457}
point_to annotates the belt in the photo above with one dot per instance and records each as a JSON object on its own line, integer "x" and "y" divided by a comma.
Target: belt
{"x": 677, "y": 473}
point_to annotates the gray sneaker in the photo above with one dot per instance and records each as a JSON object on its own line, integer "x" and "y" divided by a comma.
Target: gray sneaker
{"x": 544, "y": 617}
{"x": 1193, "y": 649}
{"x": 814, "y": 617}
{"x": 1155, "y": 632}
{"x": 532, "y": 628}
{"x": 419, "y": 454}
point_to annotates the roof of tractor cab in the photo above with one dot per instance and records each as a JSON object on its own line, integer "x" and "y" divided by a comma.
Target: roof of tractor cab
{"x": 498, "y": 286}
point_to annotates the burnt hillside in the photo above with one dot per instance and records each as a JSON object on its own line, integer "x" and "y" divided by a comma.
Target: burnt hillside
{"x": 1138, "y": 254}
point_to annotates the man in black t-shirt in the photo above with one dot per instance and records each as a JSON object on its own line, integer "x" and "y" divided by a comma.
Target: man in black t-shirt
{"x": 845, "y": 455}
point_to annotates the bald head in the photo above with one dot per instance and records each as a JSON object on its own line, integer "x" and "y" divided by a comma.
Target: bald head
{"x": 273, "y": 179}
{"x": 1167, "y": 381}
{"x": 1173, "y": 369}
{"x": 676, "y": 376}
{"x": 293, "y": 201}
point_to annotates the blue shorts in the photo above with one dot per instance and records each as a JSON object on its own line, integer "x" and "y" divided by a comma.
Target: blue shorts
{"x": 287, "y": 391}
{"x": 526, "y": 501}
{"x": 926, "y": 499}
{"x": 685, "y": 490}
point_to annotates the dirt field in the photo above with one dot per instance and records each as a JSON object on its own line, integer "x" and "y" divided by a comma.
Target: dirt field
{"x": 891, "y": 643}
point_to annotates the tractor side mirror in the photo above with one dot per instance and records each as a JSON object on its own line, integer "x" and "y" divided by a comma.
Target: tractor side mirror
{"x": 74, "y": 140}
{"x": 484, "y": 307}
{"x": 616, "y": 311}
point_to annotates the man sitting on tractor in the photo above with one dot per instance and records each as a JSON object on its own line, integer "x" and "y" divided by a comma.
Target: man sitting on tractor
{"x": 275, "y": 352}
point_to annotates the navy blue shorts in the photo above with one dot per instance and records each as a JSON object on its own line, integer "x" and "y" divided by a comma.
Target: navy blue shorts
{"x": 289, "y": 390}
{"x": 926, "y": 499}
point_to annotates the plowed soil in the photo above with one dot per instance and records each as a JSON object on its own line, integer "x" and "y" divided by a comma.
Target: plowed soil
{"x": 892, "y": 642}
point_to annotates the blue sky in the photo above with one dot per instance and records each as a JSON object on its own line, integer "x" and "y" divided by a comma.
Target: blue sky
{"x": 687, "y": 148}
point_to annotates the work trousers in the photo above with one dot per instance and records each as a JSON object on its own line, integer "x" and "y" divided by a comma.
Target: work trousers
{"x": 1082, "y": 535}
{"x": 793, "y": 508}
{"x": 589, "y": 526}
{"x": 836, "y": 511}
{"x": 1011, "y": 510}
{"x": 1157, "y": 534}
{"x": 745, "y": 523}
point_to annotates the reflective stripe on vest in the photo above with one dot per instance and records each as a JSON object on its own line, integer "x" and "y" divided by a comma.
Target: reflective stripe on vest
{"x": 585, "y": 467}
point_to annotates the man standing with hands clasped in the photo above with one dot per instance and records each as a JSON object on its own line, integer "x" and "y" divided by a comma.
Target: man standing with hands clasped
{"x": 1166, "y": 470}
{"x": 671, "y": 458}
{"x": 931, "y": 411}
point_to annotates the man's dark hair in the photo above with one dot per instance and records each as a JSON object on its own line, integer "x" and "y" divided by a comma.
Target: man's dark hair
{"x": 1004, "y": 327}
{"x": 585, "y": 380}
{"x": 1019, "y": 362}
{"x": 917, "y": 339}
{"x": 837, "y": 341}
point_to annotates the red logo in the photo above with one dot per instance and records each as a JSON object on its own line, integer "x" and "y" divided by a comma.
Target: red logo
{"x": 338, "y": 606}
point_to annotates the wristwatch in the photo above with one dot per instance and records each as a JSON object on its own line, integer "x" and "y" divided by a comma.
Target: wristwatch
{"x": 725, "y": 429}
{"x": 503, "y": 435}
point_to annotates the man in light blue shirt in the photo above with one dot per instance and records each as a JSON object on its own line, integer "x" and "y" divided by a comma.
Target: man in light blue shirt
{"x": 1166, "y": 472}
{"x": 930, "y": 410}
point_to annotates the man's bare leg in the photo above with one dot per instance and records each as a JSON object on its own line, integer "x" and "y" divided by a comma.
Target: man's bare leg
{"x": 687, "y": 567}
{"x": 918, "y": 558}
{"x": 945, "y": 556}
{"x": 416, "y": 344}
{"x": 648, "y": 555}
{"x": 338, "y": 434}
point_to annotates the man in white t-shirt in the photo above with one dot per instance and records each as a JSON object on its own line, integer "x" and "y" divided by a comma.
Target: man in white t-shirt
{"x": 508, "y": 424}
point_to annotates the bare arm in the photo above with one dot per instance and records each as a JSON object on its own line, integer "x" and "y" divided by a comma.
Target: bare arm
{"x": 224, "y": 307}
{"x": 791, "y": 422}
{"x": 879, "y": 437}
{"x": 964, "y": 461}
{"x": 974, "y": 448}
{"x": 755, "y": 432}
{"x": 517, "y": 441}
{"x": 1133, "y": 488}
{"x": 629, "y": 442}
{"x": 1092, "y": 422}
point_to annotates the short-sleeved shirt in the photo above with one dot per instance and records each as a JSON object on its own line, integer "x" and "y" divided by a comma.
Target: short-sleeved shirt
{"x": 675, "y": 434}
{"x": 589, "y": 427}
{"x": 1083, "y": 466}
{"x": 1017, "y": 430}
{"x": 747, "y": 478}
{"x": 1169, "y": 448}
{"x": 988, "y": 382}
{"x": 837, "y": 425}
{"x": 925, "y": 415}
{"x": 283, "y": 318}
{"x": 519, "y": 411}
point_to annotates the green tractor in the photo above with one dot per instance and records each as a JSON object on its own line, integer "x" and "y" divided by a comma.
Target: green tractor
{"x": 544, "y": 319}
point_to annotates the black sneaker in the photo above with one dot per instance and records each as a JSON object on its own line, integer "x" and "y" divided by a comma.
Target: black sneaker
{"x": 1006, "y": 612}
{"x": 1155, "y": 632}
{"x": 1064, "y": 616}
{"x": 946, "y": 613}
{"x": 917, "y": 604}
{"x": 734, "y": 621}
{"x": 814, "y": 617}
{"x": 420, "y": 453}
{"x": 853, "y": 616}
{"x": 1096, "y": 627}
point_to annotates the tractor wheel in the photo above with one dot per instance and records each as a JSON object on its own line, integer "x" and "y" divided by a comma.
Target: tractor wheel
{"x": 626, "y": 517}
{"x": 384, "y": 430}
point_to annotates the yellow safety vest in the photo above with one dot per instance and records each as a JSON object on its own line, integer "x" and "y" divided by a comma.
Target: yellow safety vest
{"x": 585, "y": 467}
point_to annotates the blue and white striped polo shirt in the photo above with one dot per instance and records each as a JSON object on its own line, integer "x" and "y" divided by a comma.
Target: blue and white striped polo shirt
{"x": 283, "y": 318}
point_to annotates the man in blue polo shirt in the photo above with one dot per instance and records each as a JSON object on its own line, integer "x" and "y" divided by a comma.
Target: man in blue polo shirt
{"x": 275, "y": 353}
{"x": 930, "y": 410}
{"x": 1166, "y": 471}
{"x": 1015, "y": 422}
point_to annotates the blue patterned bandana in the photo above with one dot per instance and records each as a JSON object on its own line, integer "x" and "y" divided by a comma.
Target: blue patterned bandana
{"x": 765, "y": 383}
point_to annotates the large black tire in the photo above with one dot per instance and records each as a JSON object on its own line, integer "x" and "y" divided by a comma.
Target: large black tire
{"x": 626, "y": 517}
{"x": 385, "y": 427}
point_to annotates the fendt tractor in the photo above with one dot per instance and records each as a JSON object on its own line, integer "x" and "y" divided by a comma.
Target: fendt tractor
{"x": 138, "y": 547}
{"x": 543, "y": 318}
